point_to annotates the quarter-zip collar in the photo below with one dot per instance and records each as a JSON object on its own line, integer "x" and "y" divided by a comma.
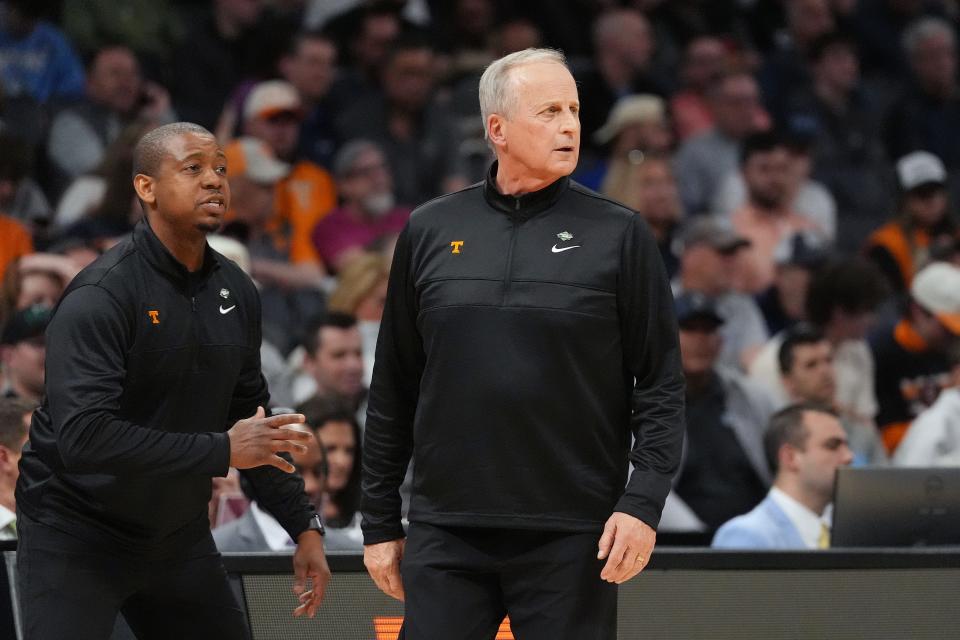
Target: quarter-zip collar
{"x": 160, "y": 258}
{"x": 526, "y": 205}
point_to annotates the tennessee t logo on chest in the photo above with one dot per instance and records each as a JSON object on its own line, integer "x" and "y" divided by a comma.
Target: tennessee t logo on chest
{"x": 456, "y": 244}
{"x": 154, "y": 316}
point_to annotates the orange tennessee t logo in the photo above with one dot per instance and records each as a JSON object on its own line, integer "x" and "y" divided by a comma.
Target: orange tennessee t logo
{"x": 456, "y": 244}
{"x": 154, "y": 316}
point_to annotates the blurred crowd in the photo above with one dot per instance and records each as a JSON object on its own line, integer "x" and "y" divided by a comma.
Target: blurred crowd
{"x": 797, "y": 160}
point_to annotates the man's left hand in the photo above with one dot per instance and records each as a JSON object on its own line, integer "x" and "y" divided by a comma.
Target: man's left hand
{"x": 310, "y": 561}
{"x": 627, "y": 544}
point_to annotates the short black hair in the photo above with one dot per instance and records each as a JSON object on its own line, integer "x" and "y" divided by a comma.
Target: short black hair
{"x": 152, "y": 147}
{"x": 762, "y": 142}
{"x": 786, "y": 427}
{"x": 336, "y": 319}
{"x": 853, "y": 284}
{"x": 802, "y": 333}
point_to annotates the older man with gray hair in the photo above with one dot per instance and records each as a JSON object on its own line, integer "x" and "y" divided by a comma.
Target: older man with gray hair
{"x": 369, "y": 213}
{"x": 927, "y": 115}
{"x": 528, "y": 338}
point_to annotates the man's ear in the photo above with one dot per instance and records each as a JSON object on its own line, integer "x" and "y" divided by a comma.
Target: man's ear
{"x": 788, "y": 457}
{"x": 144, "y": 185}
{"x": 496, "y": 124}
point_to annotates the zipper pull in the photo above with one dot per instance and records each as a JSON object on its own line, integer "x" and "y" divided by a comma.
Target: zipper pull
{"x": 193, "y": 303}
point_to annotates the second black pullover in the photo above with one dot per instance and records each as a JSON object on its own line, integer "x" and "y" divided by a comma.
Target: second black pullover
{"x": 524, "y": 340}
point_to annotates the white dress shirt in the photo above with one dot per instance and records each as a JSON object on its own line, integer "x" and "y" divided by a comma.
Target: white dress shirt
{"x": 808, "y": 523}
{"x": 6, "y": 517}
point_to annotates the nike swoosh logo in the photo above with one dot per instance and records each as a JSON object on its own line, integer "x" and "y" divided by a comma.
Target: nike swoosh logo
{"x": 556, "y": 250}
{"x": 227, "y": 310}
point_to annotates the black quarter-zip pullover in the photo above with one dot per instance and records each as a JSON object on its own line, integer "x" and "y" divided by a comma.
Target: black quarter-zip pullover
{"x": 147, "y": 366}
{"x": 524, "y": 340}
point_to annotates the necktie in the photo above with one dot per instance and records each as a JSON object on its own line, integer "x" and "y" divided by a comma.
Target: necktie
{"x": 823, "y": 542}
{"x": 9, "y": 532}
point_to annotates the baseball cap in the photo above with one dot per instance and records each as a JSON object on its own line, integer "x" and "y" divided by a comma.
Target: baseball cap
{"x": 26, "y": 324}
{"x": 937, "y": 289}
{"x": 252, "y": 158}
{"x": 693, "y": 305}
{"x": 920, "y": 168}
{"x": 271, "y": 98}
{"x": 629, "y": 110}
{"x": 715, "y": 232}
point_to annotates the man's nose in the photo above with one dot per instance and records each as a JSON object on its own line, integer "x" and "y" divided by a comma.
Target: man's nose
{"x": 571, "y": 123}
{"x": 212, "y": 179}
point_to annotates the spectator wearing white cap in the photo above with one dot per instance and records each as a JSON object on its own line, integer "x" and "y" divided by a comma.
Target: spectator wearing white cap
{"x": 911, "y": 355}
{"x": 923, "y": 222}
{"x": 272, "y": 113}
{"x": 636, "y": 127}
{"x": 289, "y": 289}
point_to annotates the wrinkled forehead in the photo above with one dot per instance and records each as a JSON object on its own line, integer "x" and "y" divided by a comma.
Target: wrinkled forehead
{"x": 538, "y": 82}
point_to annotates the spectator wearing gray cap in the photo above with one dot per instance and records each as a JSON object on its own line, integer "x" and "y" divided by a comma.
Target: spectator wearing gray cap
{"x": 902, "y": 246}
{"x": 22, "y": 352}
{"x": 723, "y": 472}
{"x": 708, "y": 265}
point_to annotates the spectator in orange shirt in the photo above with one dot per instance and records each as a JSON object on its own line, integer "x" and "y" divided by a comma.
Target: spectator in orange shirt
{"x": 273, "y": 113}
{"x": 767, "y": 217}
{"x": 290, "y": 290}
{"x": 903, "y": 245}
{"x": 15, "y": 241}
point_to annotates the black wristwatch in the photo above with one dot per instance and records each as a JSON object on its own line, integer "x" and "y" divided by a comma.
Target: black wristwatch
{"x": 316, "y": 524}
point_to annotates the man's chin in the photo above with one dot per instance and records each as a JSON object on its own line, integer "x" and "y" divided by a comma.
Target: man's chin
{"x": 209, "y": 226}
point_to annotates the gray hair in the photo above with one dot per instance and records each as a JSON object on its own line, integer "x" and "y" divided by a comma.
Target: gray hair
{"x": 347, "y": 156}
{"x": 495, "y": 94}
{"x": 921, "y": 29}
{"x": 152, "y": 147}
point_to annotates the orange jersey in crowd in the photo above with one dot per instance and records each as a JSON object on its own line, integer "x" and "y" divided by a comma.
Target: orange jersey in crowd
{"x": 303, "y": 198}
{"x": 15, "y": 241}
